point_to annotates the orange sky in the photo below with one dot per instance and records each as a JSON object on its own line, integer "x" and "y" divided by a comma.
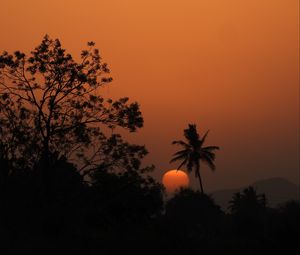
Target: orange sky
{"x": 231, "y": 66}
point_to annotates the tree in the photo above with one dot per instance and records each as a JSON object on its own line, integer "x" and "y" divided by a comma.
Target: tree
{"x": 194, "y": 152}
{"x": 247, "y": 200}
{"x": 248, "y": 210}
{"x": 194, "y": 211}
{"x": 125, "y": 198}
{"x": 284, "y": 225}
{"x": 50, "y": 103}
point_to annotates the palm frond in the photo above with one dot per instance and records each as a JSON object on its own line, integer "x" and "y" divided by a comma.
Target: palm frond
{"x": 182, "y": 163}
{"x": 208, "y": 154}
{"x": 182, "y": 152}
{"x": 204, "y": 137}
{"x": 180, "y": 157}
{"x": 182, "y": 143}
{"x": 211, "y": 148}
{"x": 208, "y": 161}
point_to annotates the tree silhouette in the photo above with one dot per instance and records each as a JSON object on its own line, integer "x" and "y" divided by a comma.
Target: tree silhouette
{"x": 58, "y": 165}
{"x": 248, "y": 210}
{"x": 246, "y": 200}
{"x": 194, "y": 212}
{"x": 50, "y": 103}
{"x": 116, "y": 155}
{"x": 284, "y": 225}
{"x": 194, "y": 152}
{"x": 125, "y": 198}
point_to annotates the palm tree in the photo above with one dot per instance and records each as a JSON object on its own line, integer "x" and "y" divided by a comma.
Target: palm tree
{"x": 247, "y": 201}
{"x": 248, "y": 211}
{"x": 194, "y": 152}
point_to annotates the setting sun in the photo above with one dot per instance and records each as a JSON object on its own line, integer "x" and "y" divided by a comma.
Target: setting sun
{"x": 174, "y": 179}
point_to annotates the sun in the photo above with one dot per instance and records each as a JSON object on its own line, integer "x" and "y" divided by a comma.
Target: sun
{"x": 174, "y": 179}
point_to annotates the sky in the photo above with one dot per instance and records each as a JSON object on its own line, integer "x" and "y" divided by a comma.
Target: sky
{"x": 229, "y": 66}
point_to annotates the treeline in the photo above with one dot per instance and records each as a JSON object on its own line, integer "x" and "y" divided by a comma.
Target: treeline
{"x": 116, "y": 213}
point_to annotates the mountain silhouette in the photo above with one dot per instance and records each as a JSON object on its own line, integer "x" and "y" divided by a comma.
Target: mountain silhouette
{"x": 277, "y": 190}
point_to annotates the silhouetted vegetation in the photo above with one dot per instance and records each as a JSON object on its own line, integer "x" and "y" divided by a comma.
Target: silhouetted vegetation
{"x": 195, "y": 212}
{"x": 66, "y": 186}
{"x": 248, "y": 211}
{"x": 194, "y": 152}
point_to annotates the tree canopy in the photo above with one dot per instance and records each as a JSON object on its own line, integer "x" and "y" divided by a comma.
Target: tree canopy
{"x": 51, "y": 103}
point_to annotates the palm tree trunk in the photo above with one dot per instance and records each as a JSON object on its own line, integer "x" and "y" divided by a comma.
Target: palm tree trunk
{"x": 199, "y": 177}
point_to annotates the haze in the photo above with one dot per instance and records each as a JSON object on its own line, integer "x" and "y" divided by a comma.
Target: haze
{"x": 228, "y": 66}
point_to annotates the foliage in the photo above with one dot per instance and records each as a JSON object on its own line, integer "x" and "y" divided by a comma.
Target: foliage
{"x": 194, "y": 152}
{"x": 284, "y": 225}
{"x": 51, "y": 103}
{"x": 194, "y": 210}
{"x": 125, "y": 198}
{"x": 116, "y": 155}
{"x": 248, "y": 210}
{"x": 247, "y": 201}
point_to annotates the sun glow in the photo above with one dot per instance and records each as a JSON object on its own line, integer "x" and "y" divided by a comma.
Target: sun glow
{"x": 174, "y": 179}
